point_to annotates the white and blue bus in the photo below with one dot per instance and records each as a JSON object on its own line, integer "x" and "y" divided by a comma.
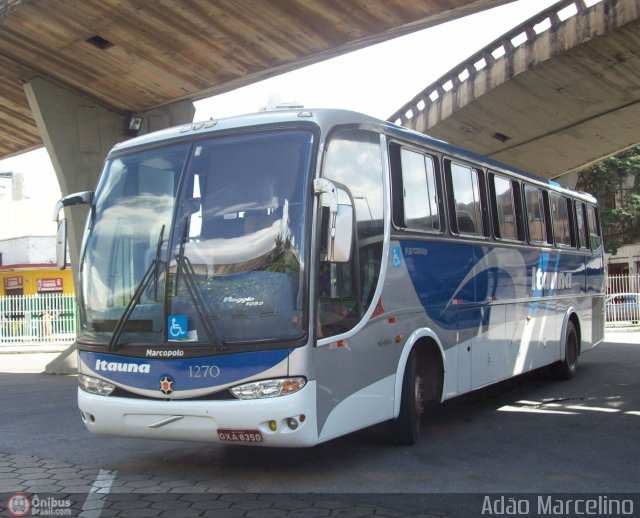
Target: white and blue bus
{"x": 285, "y": 278}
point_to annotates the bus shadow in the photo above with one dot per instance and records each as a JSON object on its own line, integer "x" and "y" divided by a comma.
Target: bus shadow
{"x": 341, "y": 453}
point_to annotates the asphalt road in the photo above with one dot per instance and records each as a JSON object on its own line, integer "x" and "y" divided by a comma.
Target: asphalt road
{"x": 528, "y": 435}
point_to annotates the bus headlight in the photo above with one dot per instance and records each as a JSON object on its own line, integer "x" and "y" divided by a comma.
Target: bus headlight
{"x": 95, "y": 385}
{"x": 268, "y": 388}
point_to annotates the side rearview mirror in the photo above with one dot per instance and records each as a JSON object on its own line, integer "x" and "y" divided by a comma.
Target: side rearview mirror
{"x": 61, "y": 244}
{"x": 340, "y": 251}
{"x": 78, "y": 198}
{"x": 338, "y": 230}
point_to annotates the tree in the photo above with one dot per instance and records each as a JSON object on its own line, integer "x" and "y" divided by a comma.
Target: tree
{"x": 615, "y": 182}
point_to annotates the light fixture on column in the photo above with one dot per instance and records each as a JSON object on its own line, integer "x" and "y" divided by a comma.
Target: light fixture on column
{"x": 133, "y": 125}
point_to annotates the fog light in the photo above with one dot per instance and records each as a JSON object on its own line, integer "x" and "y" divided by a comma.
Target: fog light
{"x": 273, "y": 426}
{"x": 87, "y": 417}
{"x": 292, "y": 423}
{"x": 95, "y": 385}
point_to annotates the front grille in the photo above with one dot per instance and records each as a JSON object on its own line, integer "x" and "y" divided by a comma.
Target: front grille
{"x": 221, "y": 395}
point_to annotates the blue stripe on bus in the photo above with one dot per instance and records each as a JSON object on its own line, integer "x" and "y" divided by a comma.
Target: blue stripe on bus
{"x": 446, "y": 275}
{"x": 187, "y": 374}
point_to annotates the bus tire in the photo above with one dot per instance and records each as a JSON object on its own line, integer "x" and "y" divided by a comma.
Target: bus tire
{"x": 405, "y": 429}
{"x": 566, "y": 369}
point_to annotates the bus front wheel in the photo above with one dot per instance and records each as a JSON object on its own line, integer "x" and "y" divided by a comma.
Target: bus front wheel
{"x": 405, "y": 429}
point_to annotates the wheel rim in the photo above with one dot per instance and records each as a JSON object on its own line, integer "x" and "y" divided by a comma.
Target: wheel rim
{"x": 572, "y": 351}
{"x": 418, "y": 397}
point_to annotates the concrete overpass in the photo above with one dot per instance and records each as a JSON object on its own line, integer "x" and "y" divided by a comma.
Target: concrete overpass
{"x": 554, "y": 95}
{"x": 131, "y": 57}
{"x": 77, "y": 72}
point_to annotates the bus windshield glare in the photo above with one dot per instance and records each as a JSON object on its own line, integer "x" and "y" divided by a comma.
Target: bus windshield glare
{"x": 200, "y": 242}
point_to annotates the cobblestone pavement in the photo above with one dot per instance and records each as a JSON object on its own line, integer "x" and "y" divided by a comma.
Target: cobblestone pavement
{"x": 500, "y": 451}
{"x": 48, "y": 487}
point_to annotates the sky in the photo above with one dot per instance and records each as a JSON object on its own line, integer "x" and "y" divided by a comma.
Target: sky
{"x": 377, "y": 80}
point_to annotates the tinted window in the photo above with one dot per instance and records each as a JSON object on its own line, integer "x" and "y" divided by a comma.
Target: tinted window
{"x": 419, "y": 193}
{"x": 240, "y": 228}
{"x": 560, "y": 217}
{"x": 583, "y": 240}
{"x": 505, "y": 214}
{"x": 345, "y": 290}
{"x": 594, "y": 227}
{"x": 535, "y": 214}
{"x": 465, "y": 185}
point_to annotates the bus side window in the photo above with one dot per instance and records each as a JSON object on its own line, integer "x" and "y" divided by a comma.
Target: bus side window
{"x": 466, "y": 200}
{"x": 560, "y": 217}
{"x": 504, "y": 211}
{"x": 581, "y": 225}
{"x": 595, "y": 239}
{"x": 534, "y": 201}
{"x": 419, "y": 192}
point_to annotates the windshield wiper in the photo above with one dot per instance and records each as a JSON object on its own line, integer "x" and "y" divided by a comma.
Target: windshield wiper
{"x": 157, "y": 262}
{"x": 185, "y": 267}
{"x": 153, "y": 272}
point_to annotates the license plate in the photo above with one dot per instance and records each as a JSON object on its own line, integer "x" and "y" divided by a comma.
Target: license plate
{"x": 239, "y": 435}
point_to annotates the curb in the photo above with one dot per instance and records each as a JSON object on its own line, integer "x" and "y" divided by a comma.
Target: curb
{"x": 32, "y": 349}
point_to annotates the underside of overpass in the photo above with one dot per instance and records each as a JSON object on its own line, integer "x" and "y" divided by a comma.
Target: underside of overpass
{"x": 553, "y": 96}
{"x": 75, "y": 72}
{"x": 138, "y": 55}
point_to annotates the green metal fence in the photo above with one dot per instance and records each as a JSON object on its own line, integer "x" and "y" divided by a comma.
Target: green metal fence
{"x": 38, "y": 319}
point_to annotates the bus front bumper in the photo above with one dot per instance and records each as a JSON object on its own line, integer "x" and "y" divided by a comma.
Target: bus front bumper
{"x": 248, "y": 422}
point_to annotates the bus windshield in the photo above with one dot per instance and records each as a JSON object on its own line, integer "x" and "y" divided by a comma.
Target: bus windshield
{"x": 200, "y": 242}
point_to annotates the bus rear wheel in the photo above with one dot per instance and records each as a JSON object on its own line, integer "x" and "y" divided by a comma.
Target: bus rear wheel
{"x": 566, "y": 369}
{"x": 405, "y": 429}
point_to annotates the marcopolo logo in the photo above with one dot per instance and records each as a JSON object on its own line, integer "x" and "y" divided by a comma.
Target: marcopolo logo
{"x": 105, "y": 366}
{"x": 541, "y": 280}
{"x": 177, "y": 353}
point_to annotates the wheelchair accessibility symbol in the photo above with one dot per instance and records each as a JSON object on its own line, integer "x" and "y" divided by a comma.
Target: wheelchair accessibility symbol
{"x": 397, "y": 257}
{"x": 177, "y": 327}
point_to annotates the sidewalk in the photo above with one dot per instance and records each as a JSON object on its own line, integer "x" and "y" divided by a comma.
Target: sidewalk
{"x": 28, "y": 358}
{"x": 625, "y": 335}
{"x": 32, "y": 348}
{"x": 34, "y": 363}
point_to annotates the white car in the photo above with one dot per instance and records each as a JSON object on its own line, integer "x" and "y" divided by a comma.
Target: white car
{"x": 622, "y": 307}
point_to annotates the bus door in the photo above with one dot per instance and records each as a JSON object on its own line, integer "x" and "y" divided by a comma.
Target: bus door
{"x": 349, "y": 363}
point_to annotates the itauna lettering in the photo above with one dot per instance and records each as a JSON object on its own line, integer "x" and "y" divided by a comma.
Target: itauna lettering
{"x": 105, "y": 366}
{"x": 541, "y": 280}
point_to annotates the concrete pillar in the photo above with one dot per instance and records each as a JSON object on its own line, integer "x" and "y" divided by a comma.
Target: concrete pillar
{"x": 569, "y": 179}
{"x": 78, "y": 132}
